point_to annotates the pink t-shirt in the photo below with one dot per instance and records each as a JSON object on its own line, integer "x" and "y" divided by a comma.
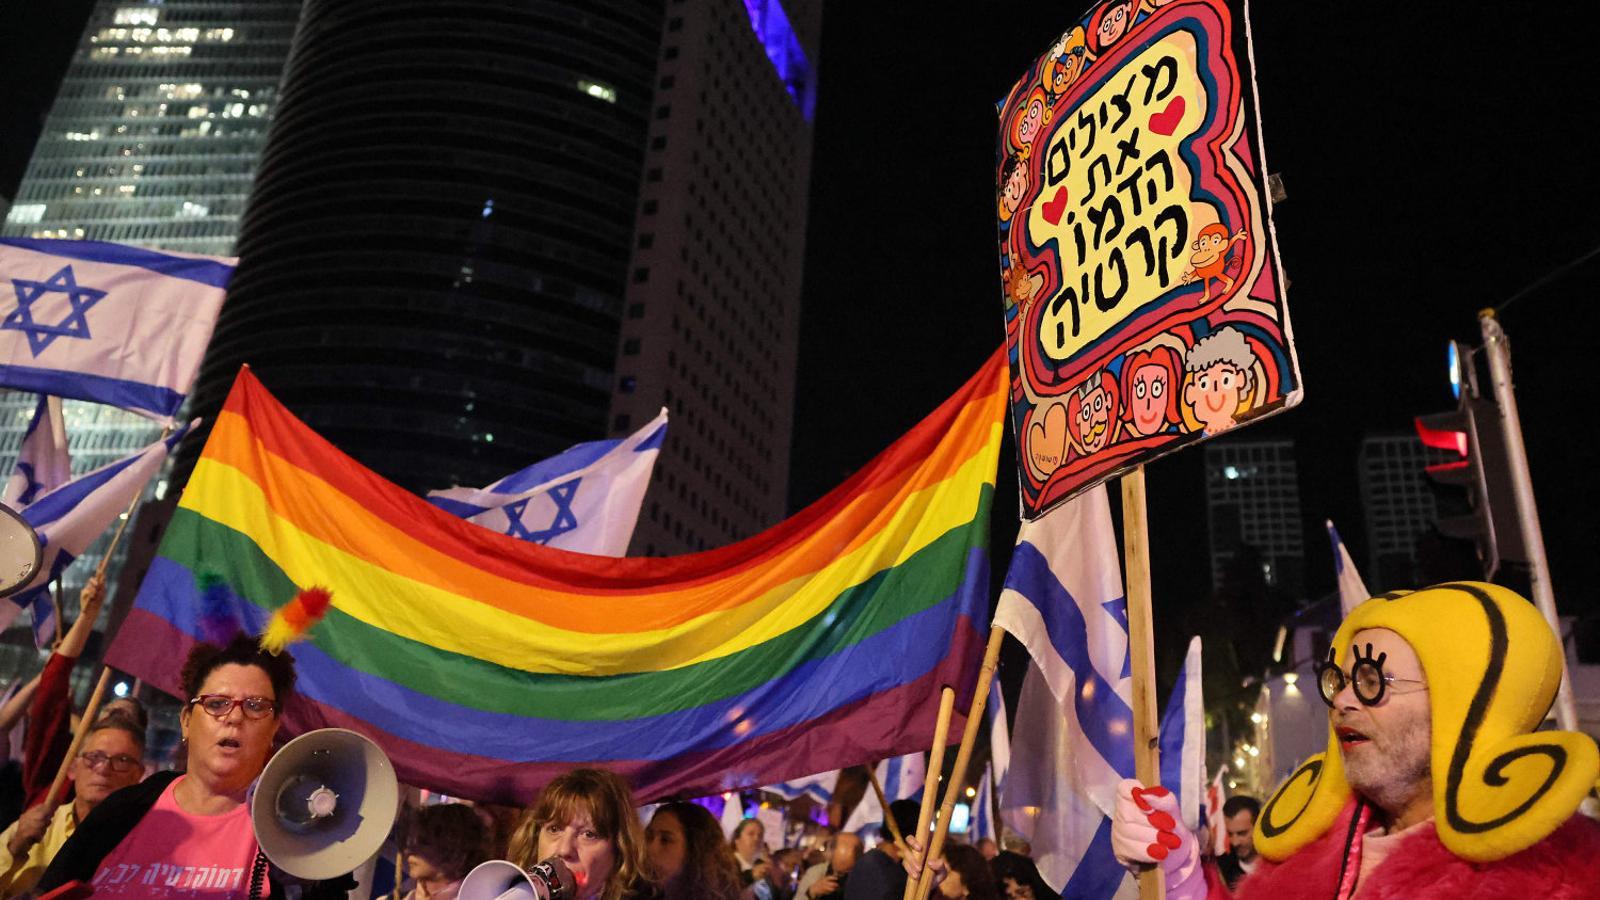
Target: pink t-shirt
{"x": 172, "y": 853}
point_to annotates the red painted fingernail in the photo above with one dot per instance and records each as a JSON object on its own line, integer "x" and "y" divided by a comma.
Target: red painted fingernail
{"x": 1170, "y": 839}
{"x": 1157, "y": 791}
{"x": 1138, "y": 799}
{"x": 1157, "y": 851}
{"x": 1161, "y": 820}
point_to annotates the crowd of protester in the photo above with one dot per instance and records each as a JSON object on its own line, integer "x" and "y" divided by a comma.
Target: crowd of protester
{"x": 117, "y": 819}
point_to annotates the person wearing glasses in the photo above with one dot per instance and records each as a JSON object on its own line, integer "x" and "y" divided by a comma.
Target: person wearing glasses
{"x": 111, "y": 759}
{"x": 189, "y": 835}
{"x": 1437, "y": 780}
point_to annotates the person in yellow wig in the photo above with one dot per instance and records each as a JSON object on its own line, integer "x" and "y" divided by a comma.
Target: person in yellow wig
{"x": 1436, "y": 781}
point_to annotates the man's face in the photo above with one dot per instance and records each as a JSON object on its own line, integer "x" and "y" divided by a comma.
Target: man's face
{"x": 846, "y": 851}
{"x": 1385, "y": 747}
{"x": 1241, "y": 834}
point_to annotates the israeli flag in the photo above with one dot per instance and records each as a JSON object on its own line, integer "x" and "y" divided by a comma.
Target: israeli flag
{"x": 983, "y": 809}
{"x": 1072, "y": 739}
{"x": 999, "y": 734}
{"x": 69, "y": 518}
{"x": 586, "y": 499}
{"x": 901, "y": 778}
{"x": 105, "y": 322}
{"x": 1352, "y": 590}
{"x": 819, "y": 787}
{"x": 1183, "y": 740}
{"x": 43, "y": 463}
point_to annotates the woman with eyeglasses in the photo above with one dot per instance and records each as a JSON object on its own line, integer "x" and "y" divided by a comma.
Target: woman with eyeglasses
{"x": 111, "y": 759}
{"x": 189, "y": 835}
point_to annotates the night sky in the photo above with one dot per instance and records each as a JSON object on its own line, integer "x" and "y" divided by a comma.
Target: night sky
{"x": 1434, "y": 165}
{"x": 1437, "y": 159}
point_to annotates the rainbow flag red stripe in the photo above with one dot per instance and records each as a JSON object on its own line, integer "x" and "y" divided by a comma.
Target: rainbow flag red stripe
{"x": 484, "y": 665}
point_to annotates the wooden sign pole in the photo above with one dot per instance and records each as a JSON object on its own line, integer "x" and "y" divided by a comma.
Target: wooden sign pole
{"x": 1141, "y": 651}
{"x": 930, "y": 781}
{"x": 958, "y": 775}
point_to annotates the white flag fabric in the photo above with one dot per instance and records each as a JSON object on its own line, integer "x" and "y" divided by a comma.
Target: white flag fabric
{"x": 1048, "y": 799}
{"x": 1183, "y": 740}
{"x": 732, "y": 813}
{"x": 69, "y": 518}
{"x": 999, "y": 734}
{"x": 43, "y": 463}
{"x": 1216, "y": 795}
{"x": 1073, "y": 731}
{"x": 983, "y": 810}
{"x": 901, "y": 778}
{"x": 107, "y": 322}
{"x": 1352, "y": 590}
{"x": 586, "y": 499}
{"x": 819, "y": 787}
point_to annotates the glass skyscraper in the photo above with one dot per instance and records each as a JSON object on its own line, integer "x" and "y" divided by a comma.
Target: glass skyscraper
{"x": 153, "y": 140}
{"x": 432, "y": 266}
{"x": 156, "y": 129}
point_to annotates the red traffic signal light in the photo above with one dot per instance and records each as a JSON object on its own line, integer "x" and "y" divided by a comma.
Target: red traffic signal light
{"x": 1472, "y": 490}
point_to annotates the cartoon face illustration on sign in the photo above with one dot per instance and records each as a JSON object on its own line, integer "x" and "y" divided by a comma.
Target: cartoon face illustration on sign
{"x": 1090, "y": 413}
{"x": 1067, "y": 60}
{"x": 1111, "y": 21}
{"x": 1030, "y": 120}
{"x": 1013, "y": 185}
{"x": 1149, "y": 390}
{"x": 1218, "y": 386}
{"x": 1210, "y": 259}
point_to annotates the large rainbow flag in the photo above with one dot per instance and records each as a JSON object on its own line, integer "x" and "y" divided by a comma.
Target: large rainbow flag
{"x": 485, "y": 665}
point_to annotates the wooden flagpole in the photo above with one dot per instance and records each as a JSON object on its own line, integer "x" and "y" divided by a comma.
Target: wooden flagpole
{"x": 883, "y": 803}
{"x": 1141, "y": 651}
{"x": 53, "y": 797}
{"x": 958, "y": 775}
{"x": 930, "y": 781}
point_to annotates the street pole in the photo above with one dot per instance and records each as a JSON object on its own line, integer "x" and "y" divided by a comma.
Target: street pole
{"x": 1497, "y": 347}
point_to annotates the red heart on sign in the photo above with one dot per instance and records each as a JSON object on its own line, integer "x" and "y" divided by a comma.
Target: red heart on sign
{"x": 1055, "y": 206}
{"x": 1166, "y": 121}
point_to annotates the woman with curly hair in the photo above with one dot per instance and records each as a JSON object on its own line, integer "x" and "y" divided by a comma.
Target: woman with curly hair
{"x": 443, "y": 844}
{"x": 585, "y": 818}
{"x": 967, "y": 875}
{"x": 687, "y": 855}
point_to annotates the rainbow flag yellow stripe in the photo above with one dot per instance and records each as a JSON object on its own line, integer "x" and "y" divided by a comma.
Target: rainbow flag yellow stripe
{"x": 484, "y": 664}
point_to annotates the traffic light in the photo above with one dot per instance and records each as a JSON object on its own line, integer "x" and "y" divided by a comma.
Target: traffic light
{"x": 1472, "y": 484}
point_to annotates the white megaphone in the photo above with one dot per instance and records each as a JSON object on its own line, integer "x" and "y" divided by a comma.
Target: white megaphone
{"x": 324, "y": 804}
{"x": 500, "y": 879}
{"x": 20, "y": 553}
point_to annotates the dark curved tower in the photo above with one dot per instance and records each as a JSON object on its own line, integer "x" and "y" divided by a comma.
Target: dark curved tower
{"x": 432, "y": 261}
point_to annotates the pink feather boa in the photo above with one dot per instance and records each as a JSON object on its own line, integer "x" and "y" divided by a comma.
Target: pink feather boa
{"x": 1563, "y": 866}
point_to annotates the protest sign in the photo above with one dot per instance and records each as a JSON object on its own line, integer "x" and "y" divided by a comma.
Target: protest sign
{"x": 1144, "y": 301}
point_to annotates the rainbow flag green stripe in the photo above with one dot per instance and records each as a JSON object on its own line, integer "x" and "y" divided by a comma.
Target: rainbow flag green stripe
{"x": 484, "y": 664}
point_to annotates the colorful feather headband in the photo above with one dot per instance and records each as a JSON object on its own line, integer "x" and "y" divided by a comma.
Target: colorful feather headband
{"x": 293, "y": 619}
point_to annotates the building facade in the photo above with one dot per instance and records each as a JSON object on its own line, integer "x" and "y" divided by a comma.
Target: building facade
{"x": 154, "y": 134}
{"x": 1398, "y": 505}
{"x": 153, "y": 140}
{"x": 1253, "y": 498}
{"x": 712, "y": 306}
{"x": 431, "y": 270}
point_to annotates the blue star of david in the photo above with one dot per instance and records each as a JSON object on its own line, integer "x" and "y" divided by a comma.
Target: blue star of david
{"x": 31, "y": 492}
{"x": 1118, "y": 609}
{"x": 565, "y": 519}
{"x": 42, "y": 334}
